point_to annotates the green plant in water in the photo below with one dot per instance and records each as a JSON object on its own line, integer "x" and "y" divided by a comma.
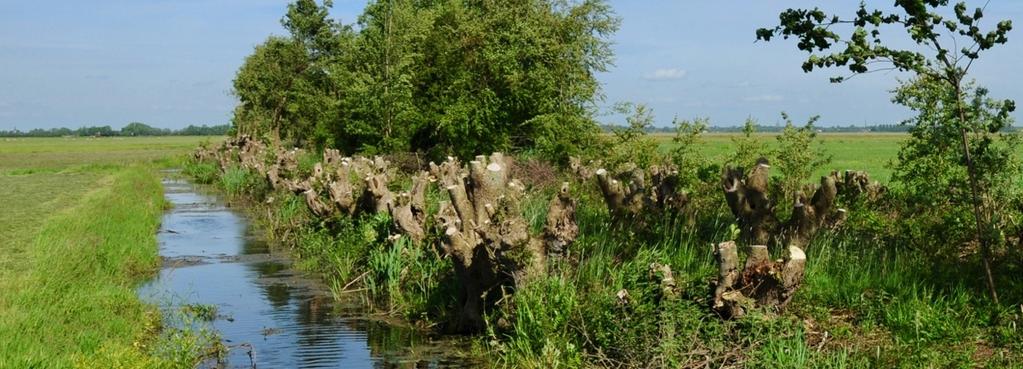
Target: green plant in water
{"x": 203, "y": 172}
{"x": 206, "y": 312}
{"x": 235, "y": 180}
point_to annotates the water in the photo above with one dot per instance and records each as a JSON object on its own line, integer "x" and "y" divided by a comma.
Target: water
{"x": 268, "y": 314}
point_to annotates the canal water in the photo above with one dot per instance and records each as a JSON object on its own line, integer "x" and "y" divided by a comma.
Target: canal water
{"x": 268, "y": 315}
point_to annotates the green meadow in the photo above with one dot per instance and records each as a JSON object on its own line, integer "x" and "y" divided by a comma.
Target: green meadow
{"x": 79, "y": 222}
{"x": 870, "y": 152}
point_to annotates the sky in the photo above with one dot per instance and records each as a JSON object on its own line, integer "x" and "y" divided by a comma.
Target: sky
{"x": 169, "y": 63}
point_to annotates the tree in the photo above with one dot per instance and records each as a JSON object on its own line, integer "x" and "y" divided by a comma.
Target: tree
{"x": 284, "y": 87}
{"x": 313, "y": 108}
{"x": 934, "y": 149}
{"x": 383, "y": 74}
{"x": 515, "y": 75}
{"x": 141, "y": 129}
{"x": 864, "y": 51}
{"x": 441, "y": 77}
{"x": 630, "y": 145}
{"x": 265, "y": 86}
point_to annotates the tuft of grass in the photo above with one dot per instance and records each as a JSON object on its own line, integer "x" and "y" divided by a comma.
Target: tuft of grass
{"x": 201, "y": 172}
{"x": 238, "y": 181}
{"x": 408, "y": 279}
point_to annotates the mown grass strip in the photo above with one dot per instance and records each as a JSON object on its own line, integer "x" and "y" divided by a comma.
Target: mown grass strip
{"x": 75, "y": 302}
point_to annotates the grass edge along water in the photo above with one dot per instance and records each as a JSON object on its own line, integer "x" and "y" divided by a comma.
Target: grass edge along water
{"x": 76, "y": 305}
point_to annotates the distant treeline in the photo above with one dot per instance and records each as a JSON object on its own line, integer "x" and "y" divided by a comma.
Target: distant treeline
{"x": 779, "y": 128}
{"x": 132, "y": 129}
{"x": 849, "y": 128}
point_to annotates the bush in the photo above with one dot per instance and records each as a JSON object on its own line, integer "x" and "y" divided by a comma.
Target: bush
{"x": 748, "y": 148}
{"x": 630, "y": 144}
{"x": 798, "y": 155}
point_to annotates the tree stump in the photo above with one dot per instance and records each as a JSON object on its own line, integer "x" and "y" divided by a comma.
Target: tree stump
{"x": 485, "y": 235}
{"x": 760, "y": 283}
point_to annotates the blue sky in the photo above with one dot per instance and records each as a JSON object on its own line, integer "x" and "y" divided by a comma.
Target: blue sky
{"x": 170, "y": 63}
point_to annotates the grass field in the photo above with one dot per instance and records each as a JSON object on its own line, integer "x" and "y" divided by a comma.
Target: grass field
{"x": 79, "y": 217}
{"x": 858, "y": 151}
{"x": 33, "y": 155}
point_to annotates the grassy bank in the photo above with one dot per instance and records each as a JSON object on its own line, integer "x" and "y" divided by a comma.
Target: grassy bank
{"x": 80, "y": 223}
{"x": 869, "y": 298}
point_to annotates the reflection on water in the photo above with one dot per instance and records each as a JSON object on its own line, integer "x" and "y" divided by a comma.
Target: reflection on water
{"x": 288, "y": 320}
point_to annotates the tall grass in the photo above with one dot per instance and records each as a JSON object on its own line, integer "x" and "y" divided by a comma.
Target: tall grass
{"x": 201, "y": 172}
{"x": 75, "y": 305}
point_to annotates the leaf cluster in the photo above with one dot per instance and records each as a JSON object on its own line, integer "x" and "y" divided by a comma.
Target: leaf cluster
{"x": 864, "y": 49}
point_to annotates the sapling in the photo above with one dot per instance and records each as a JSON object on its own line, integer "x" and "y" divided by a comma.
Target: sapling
{"x": 943, "y": 50}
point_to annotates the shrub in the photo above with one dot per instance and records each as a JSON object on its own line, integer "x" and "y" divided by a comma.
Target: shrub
{"x": 630, "y": 143}
{"x": 748, "y": 148}
{"x": 798, "y": 155}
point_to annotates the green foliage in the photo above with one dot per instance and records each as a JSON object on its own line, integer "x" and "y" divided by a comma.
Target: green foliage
{"x": 879, "y": 306}
{"x": 631, "y": 144}
{"x": 443, "y": 78}
{"x": 939, "y": 68}
{"x": 922, "y": 22}
{"x": 686, "y": 153}
{"x": 237, "y": 181}
{"x": 930, "y": 168}
{"x": 542, "y": 336}
{"x": 133, "y": 129}
{"x": 407, "y": 279}
{"x": 203, "y": 172}
{"x": 748, "y": 148}
{"x": 798, "y": 155}
{"x": 234, "y": 180}
{"x": 266, "y": 86}
{"x": 141, "y": 129}
{"x": 205, "y": 312}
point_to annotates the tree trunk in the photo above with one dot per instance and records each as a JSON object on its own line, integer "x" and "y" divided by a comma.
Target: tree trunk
{"x": 985, "y": 247}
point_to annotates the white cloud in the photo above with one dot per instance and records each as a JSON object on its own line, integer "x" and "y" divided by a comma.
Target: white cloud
{"x": 764, "y": 98}
{"x": 666, "y": 74}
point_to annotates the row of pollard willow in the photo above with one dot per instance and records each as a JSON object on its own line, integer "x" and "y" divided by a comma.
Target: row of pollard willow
{"x": 488, "y": 240}
{"x": 482, "y": 228}
{"x": 634, "y": 193}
